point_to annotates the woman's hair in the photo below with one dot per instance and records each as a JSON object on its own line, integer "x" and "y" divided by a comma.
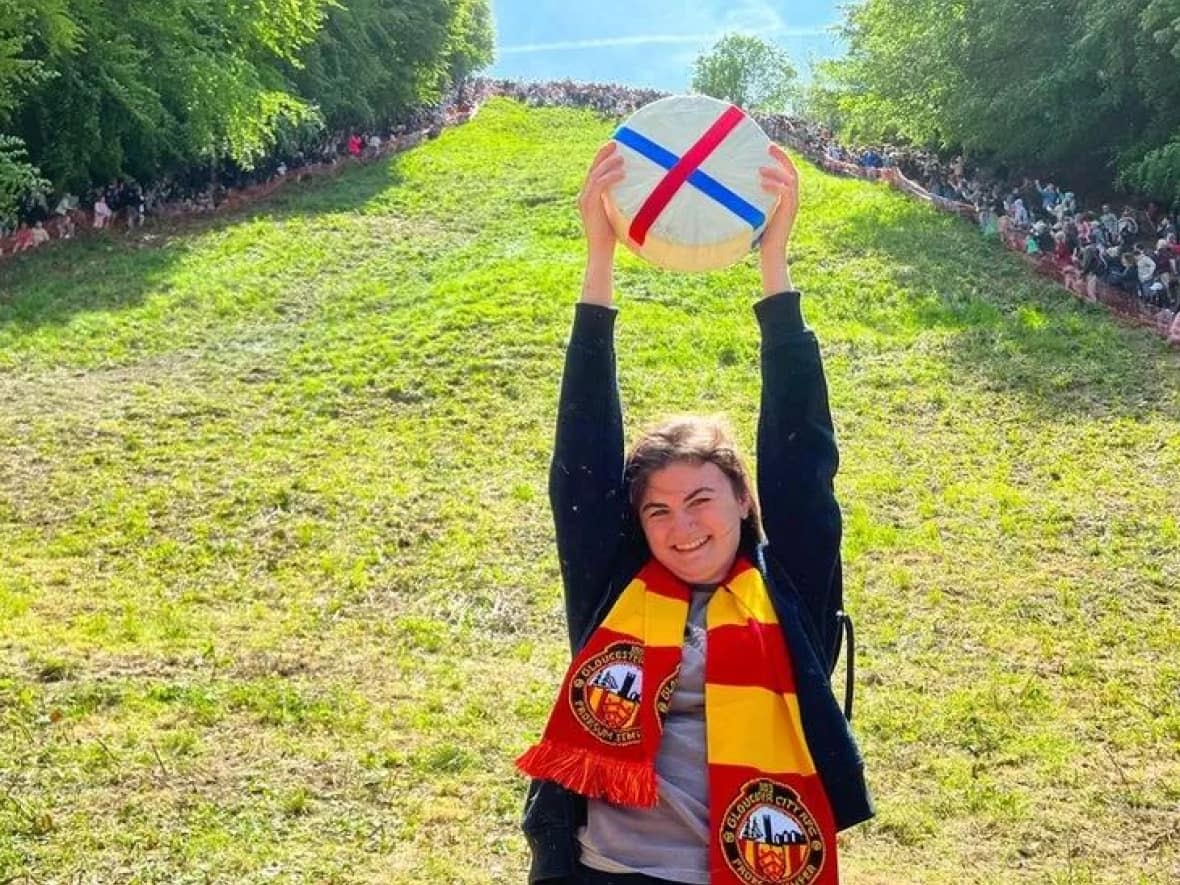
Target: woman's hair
{"x": 698, "y": 440}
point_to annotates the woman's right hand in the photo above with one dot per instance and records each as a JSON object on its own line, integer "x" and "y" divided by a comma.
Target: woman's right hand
{"x": 605, "y": 171}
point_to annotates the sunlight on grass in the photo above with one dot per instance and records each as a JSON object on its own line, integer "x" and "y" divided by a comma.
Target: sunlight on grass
{"x": 278, "y": 596}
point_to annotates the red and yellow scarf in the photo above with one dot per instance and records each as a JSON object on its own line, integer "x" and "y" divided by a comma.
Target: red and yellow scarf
{"x": 770, "y": 820}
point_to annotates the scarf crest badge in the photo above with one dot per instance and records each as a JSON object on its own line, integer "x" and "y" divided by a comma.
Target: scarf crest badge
{"x": 771, "y": 822}
{"x": 606, "y": 694}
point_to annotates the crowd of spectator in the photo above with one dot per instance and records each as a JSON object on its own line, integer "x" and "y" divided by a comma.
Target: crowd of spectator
{"x": 608, "y": 100}
{"x": 128, "y": 204}
{"x": 1136, "y": 250}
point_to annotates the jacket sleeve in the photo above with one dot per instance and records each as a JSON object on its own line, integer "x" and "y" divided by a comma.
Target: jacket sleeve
{"x": 797, "y": 461}
{"x": 586, "y": 474}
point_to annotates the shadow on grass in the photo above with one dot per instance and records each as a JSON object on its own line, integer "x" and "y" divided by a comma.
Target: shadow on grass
{"x": 111, "y": 272}
{"x": 1014, "y": 331}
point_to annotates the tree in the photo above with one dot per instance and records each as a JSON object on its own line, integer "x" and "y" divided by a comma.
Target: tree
{"x": 747, "y": 71}
{"x": 472, "y": 40}
{"x": 142, "y": 88}
{"x": 92, "y": 90}
{"x": 17, "y": 176}
{"x": 1089, "y": 88}
{"x": 19, "y": 74}
{"x": 377, "y": 59}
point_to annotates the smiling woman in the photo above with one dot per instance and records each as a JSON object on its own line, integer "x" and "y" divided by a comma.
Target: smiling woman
{"x": 695, "y": 738}
{"x": 693, "y": 496}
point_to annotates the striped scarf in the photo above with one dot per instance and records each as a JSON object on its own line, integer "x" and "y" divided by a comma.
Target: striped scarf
{"x": 770, "y": 819}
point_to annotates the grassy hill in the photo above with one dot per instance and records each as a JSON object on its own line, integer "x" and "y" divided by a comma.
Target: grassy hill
{"x": 278, "y": 595}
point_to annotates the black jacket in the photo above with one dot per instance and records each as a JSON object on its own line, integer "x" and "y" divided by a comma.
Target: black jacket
{"x": 601, "y": 544}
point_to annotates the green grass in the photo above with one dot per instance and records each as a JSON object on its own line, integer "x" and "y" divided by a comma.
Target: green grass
{"x": 278, "y": 595}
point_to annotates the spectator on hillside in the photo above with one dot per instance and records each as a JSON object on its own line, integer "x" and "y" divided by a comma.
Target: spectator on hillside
{"x": 1091, "y": 261}
{"x": 1068, "y": 205}
{"x": 23, "y": 241}
{"x": 1073, "y": 235}
{"x": 102, "y": 213}
{"x": 1020, "y": 216}
{"x": 1003, "y": 224}
{"x": 136, "y": 205}
{"x": 114, "y": 200}
{"x": 39, "y": 235}
{"x": 1044, "y": 236}
{"x": 1110, "y": 222}
{"x": 1125, "y": 275}
{"x": 1145, "y": 267}
{"x": 1061, "y": 249}
{"x": 1049, "y": 197}
{"x": 65, "y": 215}
{"x": 1167, "y": 254}
{"x": 1103, "y": 236}
{"x": 355, "y": 146}
{"x": 987, "y": 219}
{"x": 1031, "y": 195}
{"x": 34, "y": 207}
{"x": 1127, "y": 227}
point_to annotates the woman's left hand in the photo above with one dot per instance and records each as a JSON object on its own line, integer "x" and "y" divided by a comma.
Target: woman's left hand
{"x": 781, "y": 179}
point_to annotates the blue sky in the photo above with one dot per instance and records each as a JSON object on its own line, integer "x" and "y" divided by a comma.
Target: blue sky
{"x": 647, "y": 42}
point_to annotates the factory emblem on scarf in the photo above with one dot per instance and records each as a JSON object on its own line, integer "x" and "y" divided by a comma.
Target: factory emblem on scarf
{"x": 770, "y": 838}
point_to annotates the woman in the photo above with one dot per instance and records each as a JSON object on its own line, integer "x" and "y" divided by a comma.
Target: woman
{"x": 676, "y": 607}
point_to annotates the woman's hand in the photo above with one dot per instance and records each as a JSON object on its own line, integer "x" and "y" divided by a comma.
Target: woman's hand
{"x": 605, "y": 171}
{"x": 781, "y": 179}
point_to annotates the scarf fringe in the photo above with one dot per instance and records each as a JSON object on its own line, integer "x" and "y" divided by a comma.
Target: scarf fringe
{"x": 592, "y": 775}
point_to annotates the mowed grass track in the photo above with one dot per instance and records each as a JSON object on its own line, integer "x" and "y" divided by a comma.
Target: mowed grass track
{"x": 278, "y": 594}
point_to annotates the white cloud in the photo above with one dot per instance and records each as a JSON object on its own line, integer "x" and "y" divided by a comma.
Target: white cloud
{"x": 655, "y": 39}
{"x": 754, "y": 16}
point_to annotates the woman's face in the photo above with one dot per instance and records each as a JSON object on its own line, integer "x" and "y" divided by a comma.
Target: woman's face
{"x": 692, "y": 520}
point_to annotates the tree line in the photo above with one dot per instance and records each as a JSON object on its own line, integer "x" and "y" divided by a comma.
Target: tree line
{"x": 92, "y": 90}
{"x": 1090, "y": 88}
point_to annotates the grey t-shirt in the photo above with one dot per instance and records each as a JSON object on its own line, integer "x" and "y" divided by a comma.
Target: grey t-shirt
{"x": 671, "y": 840}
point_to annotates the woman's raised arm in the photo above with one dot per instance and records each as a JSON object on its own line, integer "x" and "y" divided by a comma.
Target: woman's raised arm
{"x": 586, "y": 474}
{"x": 797, "y": 455}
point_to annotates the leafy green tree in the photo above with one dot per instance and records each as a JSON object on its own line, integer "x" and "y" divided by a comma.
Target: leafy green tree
{"x": 1152, "y": 163}
{"x": 821, "y": 100}
{"x": 92, "y": 90}
{"x": 748, "y": 71}
{"x": 374, "y": 60}
{"x": 377, "y": 59}
{"x": 1088, "y": 87}
{"x": 19, "y": 73}
{"x": 149, "y": 86}
{"x": 17, "y": 176}
{"x": 472, "y": 39}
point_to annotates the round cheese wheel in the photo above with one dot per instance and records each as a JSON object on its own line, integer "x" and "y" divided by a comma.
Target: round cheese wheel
{"x": 691, "y": 197}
